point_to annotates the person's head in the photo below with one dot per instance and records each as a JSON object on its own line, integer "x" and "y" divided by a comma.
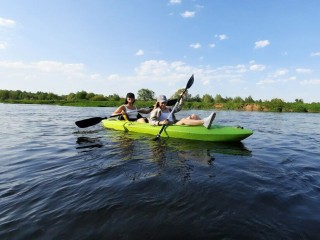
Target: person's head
{"x": 130, "y": 95}
{"x": 162, "y": 101}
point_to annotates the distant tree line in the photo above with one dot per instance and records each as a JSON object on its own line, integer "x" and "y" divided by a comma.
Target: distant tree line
{"x": 6, "y": 95}
{"x": 143, "y": 94}
{"x": 147, "y": 97}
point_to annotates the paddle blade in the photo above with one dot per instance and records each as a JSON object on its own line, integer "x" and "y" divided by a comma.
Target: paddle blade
{"x": 190, "y": 82}
{"x": 172, "y": 102}
{"x": 89, "y": 122}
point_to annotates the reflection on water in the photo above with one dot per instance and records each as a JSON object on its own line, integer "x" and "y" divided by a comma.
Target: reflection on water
{"x": 88, "y": 139}
{"x": 232, "y": 148}
{"x": 88, "y": 143}
{"x": 129, "y": 146}
{"x": 132, "y": 144}
{"x": 145, "y": 158}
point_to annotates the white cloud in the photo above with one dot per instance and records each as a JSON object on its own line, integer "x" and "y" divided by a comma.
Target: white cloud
{"x": 188, "y": 14}
{"x": 241, "y": 68}
{"x": 113, "y": 77}
{"x": 174, "y": 1}
{"x": 12, "y": 65}
{"x": 178, "y": 66}
{"x": 289, "y": 79}
{"x": 152, "y": 67}
{"x": 280, "y": 72}
{"x": 199, "y": 7}
{"x": 276, "y": 77}
{"x": 262, "y": 44}
{"x": 206, "y": 82}
{"x": 162, "y": 76}
{"x": 303, "y": 70}
{"x": 212, "y": 45}
{"x": 140, "y": 52}
{"x": 266, "y": 81}
{"x": 44, "y": 66}
{"x": 53, "y": 66}
{"x": 4, "y": 22}
{"x": 257, "y": 67}
{"x": 48, "y": 76}
{"x": 195, "y": 45}
{"x": 222, "y": 37}
{"x": 315, "y": 54}
{"x": 310, "y": 82}
{"x": 3, "y": 45}
{"x": 95, "y": 76}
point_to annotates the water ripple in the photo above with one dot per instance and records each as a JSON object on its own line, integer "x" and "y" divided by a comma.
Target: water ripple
{"x": 61, "y": 182}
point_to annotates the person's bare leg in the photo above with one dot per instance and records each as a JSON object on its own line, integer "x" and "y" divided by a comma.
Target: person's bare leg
{"x": 195, "y": 122}
{"x": 191, "y": 122}
{"x": 141, "y": 120}
{"x": 194, "y": 117}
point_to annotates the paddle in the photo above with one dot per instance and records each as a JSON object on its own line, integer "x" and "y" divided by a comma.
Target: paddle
{"x": 95, "y": 120}
{"x": 91, "y": 121}
{"x": 189, "y": 84}
{"x": 172, "y": 102}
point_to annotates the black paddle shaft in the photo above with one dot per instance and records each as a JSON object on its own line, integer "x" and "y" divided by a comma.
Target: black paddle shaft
{"x": 189, "y": 84}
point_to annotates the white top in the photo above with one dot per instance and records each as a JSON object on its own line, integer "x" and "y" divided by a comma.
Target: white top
{"x": 131, "y": 113}
{"x": 165, "y": 115}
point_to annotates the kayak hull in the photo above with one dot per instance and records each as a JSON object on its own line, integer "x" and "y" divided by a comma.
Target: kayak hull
{"x": 216, "y": 133}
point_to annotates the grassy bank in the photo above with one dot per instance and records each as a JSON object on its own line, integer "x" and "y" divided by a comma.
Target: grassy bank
{"x": 267, "y": 106}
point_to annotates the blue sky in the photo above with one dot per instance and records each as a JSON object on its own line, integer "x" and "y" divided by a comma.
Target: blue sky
{"x": 258, "y": 48}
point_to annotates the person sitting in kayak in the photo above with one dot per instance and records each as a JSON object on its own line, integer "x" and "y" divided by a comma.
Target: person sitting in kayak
{"x": 130, "y": 111}
{"x": 159, "y": 115}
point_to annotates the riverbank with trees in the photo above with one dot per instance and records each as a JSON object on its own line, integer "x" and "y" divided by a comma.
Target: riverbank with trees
{"x": 145, "y": 98}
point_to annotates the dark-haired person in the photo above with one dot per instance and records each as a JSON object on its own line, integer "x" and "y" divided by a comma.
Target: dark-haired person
{"x": 160, "y": 114}
{"x": 130, "y": 111}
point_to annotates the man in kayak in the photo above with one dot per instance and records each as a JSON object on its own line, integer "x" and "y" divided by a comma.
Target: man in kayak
{"x": 130, "y": 111}
{"x": 159, "y": 115}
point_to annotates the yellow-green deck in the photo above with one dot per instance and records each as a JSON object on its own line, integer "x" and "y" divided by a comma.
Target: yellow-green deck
{"x": 216, "y": 133}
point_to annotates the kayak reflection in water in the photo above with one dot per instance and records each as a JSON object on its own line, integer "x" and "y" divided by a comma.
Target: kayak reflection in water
{"x": 130, "y": 111}
{"x": 159, "y": 115}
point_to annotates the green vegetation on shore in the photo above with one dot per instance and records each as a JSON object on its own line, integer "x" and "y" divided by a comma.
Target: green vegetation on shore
{"x": 146, "y": 98}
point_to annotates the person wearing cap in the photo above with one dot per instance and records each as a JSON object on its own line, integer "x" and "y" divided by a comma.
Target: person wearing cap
{"x": 161, "y": 112}
{"x": 128, "y": 110}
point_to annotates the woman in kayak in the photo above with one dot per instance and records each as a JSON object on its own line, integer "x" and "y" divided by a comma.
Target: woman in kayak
{"x": 159, "y": 115}
{"x": 129, "y": 111}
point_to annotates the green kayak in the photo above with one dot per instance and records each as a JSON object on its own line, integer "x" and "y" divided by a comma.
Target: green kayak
{"x": 216, "y": 133}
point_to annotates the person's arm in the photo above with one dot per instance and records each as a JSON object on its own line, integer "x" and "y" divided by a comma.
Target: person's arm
{"x": 120, "y": 109}
{"x": 154, "y": 117}
{"x": 179, "y": 107}
{"x": 145, "y": 110}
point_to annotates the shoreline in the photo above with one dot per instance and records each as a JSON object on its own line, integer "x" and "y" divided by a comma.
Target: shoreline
{"x": 252, "y": 107}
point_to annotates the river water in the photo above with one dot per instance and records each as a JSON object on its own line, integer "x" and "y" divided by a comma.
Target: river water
{"x": 61, "y": 182}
